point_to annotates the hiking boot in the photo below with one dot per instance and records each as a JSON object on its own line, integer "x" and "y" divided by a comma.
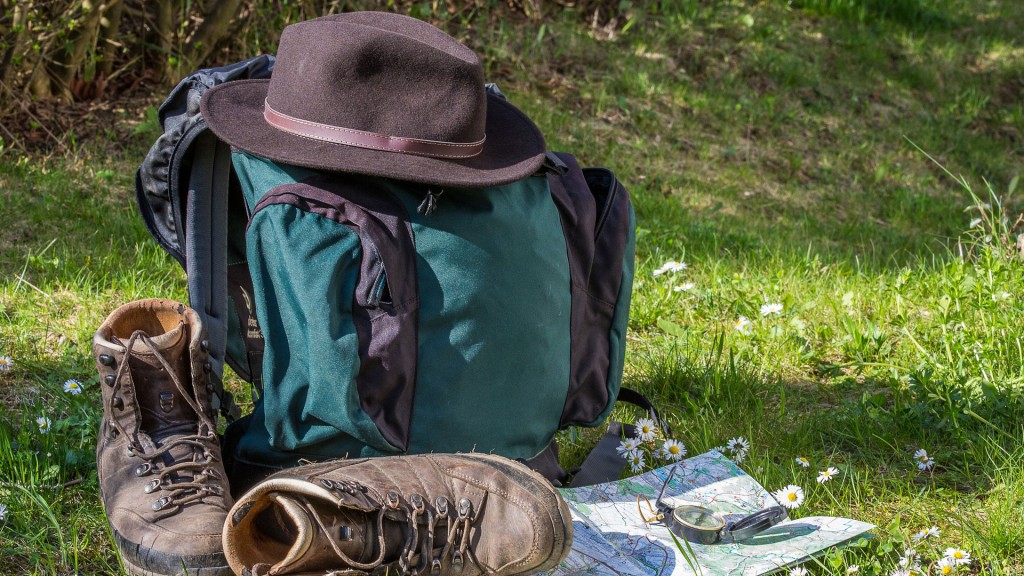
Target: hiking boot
{"x": 160, "y": 471}
{"x": 436, "y": 514}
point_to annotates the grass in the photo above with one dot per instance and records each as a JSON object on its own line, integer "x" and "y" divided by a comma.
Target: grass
{"x": 783, "y": 150}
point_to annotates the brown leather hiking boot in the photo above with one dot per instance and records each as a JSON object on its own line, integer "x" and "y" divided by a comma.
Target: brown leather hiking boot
{"x": 159, "y": 463}
{"x": 436, "y": 514}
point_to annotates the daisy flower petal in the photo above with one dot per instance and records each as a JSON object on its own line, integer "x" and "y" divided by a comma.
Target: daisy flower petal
{"x": 73, "y": 387}
{"x": 670, "y": 266}
{"x": 44, "y": 424}
{"x": 791, "y": 496}
{"x": 742, "y": 325}
{"x": 827, "y": 474}
{"x": 673, "y": 450}
{"x": 959, "y": 556}
{"x": 645, "y": 429}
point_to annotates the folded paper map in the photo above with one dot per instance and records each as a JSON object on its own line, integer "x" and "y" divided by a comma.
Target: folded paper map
{"x": 612, "y": 538}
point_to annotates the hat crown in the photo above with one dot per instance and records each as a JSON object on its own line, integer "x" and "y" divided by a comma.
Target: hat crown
{"x": 380, "y": 73}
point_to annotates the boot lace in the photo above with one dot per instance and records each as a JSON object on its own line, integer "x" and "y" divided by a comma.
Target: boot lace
{"x": 169, "y": 478}
{"x": 422, "y": 522}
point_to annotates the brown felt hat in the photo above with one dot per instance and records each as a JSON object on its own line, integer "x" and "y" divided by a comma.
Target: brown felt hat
{"x": 379, "y": 94}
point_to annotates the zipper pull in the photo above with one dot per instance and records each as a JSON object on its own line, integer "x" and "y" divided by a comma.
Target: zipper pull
{"x": 429, "y": 203}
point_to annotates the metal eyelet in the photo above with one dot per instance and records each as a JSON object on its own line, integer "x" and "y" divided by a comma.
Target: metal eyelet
{"x": 143, "y": 469}
{"x": 392, "y": 500}
{"x": 204, "y": 345}
{"x": 109, "y": 379}
{"x": 442, "y": 506}
{"x": 465, "y": 506}
{"x": 327, "y": 483}
{"x": 207, "y": 367}
{"x": 457, "y": 562}
{"x": 417, "y": 501}
{"x": 107, "y": 360}
{"x": 162, "y": 503}
{"x": 435, "y": 567}
{"x": 152, "y": 486}
{"x": 118, "y": 402}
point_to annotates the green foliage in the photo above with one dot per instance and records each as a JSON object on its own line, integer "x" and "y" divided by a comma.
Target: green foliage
{"x": 913, "y": 13}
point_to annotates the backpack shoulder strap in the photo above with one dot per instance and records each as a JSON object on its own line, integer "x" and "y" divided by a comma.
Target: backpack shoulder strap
{"x": 182, "y": 192}
{"x": 206, "y": 245}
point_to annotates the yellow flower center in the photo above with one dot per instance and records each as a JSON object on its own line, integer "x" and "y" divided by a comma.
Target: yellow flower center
{"x": 922, "y": 458}
{"x": 791, "y": 496}
{"x": 958, "y": 555}
{"x": 947, "y": 570}
{"x": 673, "y": 449}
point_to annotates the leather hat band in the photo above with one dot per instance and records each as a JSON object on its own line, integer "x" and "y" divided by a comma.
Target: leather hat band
{"x": 362, "y": 139}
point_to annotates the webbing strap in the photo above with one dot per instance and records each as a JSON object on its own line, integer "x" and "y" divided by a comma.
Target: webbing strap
{"x": 206, "y": 245}
{"x": 604, "y": 463}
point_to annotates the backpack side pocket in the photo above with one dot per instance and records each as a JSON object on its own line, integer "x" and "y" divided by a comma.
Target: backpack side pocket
{"x": 598, "y": 224}
{"x": 333, "y": 265}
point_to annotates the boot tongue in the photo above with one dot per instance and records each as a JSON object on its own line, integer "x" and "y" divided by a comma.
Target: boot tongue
{"x": 160, "y": 402}
{"x": 319, "y": 528}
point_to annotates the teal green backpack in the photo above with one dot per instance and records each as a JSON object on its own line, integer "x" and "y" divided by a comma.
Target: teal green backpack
{"x": 378, "y": 317}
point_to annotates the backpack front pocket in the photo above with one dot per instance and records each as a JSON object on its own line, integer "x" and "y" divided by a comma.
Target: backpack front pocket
{"x": 333, "y": 269}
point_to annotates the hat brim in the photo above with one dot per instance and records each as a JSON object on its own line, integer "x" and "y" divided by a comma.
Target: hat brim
{"x": 513, "y": 150}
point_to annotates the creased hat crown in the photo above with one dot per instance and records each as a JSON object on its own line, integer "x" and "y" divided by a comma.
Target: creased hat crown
{"x": 378, "y": 94}
{"x": 410, "y": 81}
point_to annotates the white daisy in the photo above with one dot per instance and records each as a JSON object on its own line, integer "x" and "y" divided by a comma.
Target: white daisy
{"x": 924, "y": 462}
{"x": 791, "y": 496}
{"x": 853, "y": 569}
{"x": 673, "y": 450}
{"x": 44, "y": 424}
{"x": 645, "y": 429}
{"x": 975, "y": 222}
{"x": 738, "y": 444}
{"x": 798, "y": 571}
{"x": 739, "y": 456}
{"x": 926, "y": 533}
{"x": 6, "y": 363}
{"x": 803, "y": 461}
{"x": 742, "y": 325}
{"x": 958, "y": 555}
{"x": 684, "y": 287}
{"x": 945, "y": 566}
{"x": 900, "y": 572}
{"x": 3, "y": 511}
{"x": 670, "y": 266}
{"x": 770, "y": 308}
{"x": 636, "y": 462}
{"x": 719, "y": 449}
{"x": 827, "y": 474}
{"x": 909, "y": 560}
{"x": 73, "y": 387}
{"x": 627, "y": 447}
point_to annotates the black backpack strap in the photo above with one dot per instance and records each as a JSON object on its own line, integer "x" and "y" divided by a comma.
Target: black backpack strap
{"x": 547, "y": 464}
{"x": 206, "y": 243}
{"x": 604, "y": 463}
